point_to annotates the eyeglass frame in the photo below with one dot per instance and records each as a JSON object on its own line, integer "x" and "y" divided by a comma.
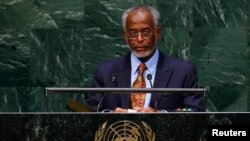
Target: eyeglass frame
{"x": 142, "y": 33}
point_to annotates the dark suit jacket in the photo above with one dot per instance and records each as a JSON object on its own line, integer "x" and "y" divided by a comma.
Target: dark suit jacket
{"x": 170, "y": 73}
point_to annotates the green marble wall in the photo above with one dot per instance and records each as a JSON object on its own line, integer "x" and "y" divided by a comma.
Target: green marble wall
{"x": 60, "y": 42}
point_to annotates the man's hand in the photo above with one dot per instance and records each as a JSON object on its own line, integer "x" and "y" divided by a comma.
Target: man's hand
{"x": 120, "y": 110}
{"x": 144, "y": 110}
{"x": 138, "y": 109}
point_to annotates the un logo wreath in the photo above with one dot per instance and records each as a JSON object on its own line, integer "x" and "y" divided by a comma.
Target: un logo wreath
{"x": 125, "y": 131}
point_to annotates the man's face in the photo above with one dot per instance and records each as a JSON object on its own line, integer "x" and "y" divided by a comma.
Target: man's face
{"x": 140, "y": 33}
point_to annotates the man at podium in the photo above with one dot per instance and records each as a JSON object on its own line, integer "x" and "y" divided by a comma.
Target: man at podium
{"x": 145, "y": 66}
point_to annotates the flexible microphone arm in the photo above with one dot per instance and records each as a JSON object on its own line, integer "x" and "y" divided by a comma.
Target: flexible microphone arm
{"x": 149, "y": 77}
{"x": 100, "y": 102}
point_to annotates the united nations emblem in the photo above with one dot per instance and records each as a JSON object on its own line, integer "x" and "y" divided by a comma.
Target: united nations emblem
{"x": 124, "y": 131}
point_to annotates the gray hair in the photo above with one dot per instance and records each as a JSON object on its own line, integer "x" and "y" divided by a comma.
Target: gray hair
{"x": 153, "y": 11}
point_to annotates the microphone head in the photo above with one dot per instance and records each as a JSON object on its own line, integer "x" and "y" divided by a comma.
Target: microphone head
{"x": 149, "y": 76}
{"x": 113, "y": 78}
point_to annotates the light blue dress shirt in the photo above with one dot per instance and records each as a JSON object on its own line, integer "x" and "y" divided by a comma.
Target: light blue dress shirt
{"x": 151, "y": 69}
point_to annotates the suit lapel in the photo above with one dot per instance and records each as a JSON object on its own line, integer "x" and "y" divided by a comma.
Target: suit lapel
{"x": 162, "y": 76}
{"x": 124, "y": 77}
{"x": 163, "y": 73}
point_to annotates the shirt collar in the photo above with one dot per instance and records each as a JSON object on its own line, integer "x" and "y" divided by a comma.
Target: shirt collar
{"x": 151, "y": 63}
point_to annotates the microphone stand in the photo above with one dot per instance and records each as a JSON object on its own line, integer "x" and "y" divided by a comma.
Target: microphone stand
{"x": 100, "y": 102}
{"x": 149, "y": 77}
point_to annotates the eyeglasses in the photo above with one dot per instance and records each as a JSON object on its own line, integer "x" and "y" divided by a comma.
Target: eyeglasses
{"x": 144, "y": 33}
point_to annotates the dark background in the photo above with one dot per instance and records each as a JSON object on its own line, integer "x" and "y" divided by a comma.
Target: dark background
{"x": 58, "y": 43}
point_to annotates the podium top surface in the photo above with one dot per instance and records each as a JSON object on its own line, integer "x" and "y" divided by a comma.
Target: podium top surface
{"x": 126, "y": 90}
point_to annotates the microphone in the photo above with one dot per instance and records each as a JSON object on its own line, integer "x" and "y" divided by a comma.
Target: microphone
{"x": 149, "y": 77}
{"x": 100, "y": 102}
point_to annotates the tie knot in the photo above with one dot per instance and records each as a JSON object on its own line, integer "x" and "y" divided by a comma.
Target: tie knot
{"x": 142, "y": 67}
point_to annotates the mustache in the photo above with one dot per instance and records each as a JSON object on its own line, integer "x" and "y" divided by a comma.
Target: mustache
{"x": 141, "y": 46}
